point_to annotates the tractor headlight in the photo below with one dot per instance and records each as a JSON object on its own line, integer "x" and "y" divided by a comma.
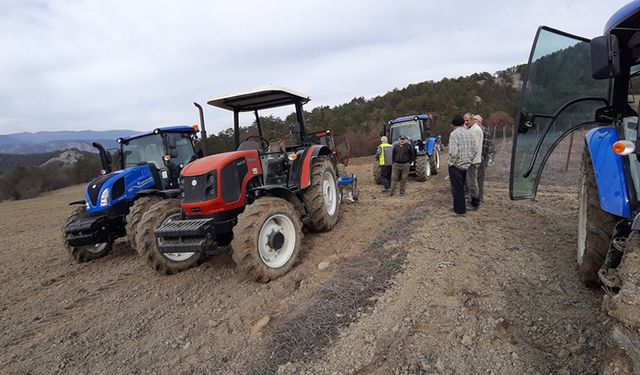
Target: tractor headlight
{"x": 212, "y": 185}
{"x": 104, "y": 197}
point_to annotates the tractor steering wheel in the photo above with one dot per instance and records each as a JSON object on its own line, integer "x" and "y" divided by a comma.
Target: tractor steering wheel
{"x": 263, "y": 141}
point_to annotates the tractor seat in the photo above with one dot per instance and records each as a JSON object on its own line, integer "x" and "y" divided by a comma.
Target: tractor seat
{"x": 250, "y": 145}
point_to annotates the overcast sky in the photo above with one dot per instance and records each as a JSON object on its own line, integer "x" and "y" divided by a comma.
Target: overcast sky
{"x": 76, "y": 65}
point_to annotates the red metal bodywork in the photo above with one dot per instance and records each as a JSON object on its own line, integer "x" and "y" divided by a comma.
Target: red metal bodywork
{"x": 217, "y": 162}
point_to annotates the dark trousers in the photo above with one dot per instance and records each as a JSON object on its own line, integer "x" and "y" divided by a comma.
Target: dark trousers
{"x": 385, "y": 176}
{"x": 457, "y": 178}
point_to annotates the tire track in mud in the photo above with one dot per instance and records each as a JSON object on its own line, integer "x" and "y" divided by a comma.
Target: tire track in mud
{"x": 306, "y": 330}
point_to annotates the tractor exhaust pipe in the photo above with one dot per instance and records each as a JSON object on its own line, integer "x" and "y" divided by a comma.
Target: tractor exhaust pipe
{"x": 105, "y": 159}
{"x": 203, "y": 131}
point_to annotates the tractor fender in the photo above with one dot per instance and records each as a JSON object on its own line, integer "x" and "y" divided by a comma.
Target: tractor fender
{"x": 306, "y": 161}
{"x": 431, "y": 143}
{"x": 609, "y": 171}
{"x": 280, "y": 192}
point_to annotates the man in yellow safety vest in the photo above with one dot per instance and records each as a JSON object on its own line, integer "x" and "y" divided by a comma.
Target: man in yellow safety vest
{"x": 384, "y": 155}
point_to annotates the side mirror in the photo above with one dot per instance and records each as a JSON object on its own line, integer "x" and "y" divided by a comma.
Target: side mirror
{"x": 171, "y": 146}
{"x": 605, "y": 57}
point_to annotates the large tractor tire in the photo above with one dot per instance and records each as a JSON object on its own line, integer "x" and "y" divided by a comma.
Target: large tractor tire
{"x": 434, "y": 161}
{"x": 267, "y": 239}
{"x": 595, "y": 226}
{"x": 377, "y": 171}
{"x": 139, "y": 208}
{"x": 322, "y": 198}
{"x": 423, "y": 168}
{"x": 341, "y": 169}
{"x": 89, "y": 252}
{"x": 167, "y": 263}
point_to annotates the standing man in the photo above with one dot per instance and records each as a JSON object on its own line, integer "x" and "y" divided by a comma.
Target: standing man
{"x": 462, "y": 151}
{"x": 384, "y": 156}
{"x": 472, "y": 171}
{"x": 403, "y": 155}
{"x": 487, "y": 151}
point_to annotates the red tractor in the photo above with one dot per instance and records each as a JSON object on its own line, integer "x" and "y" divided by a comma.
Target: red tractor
{"x": 337, "y": 143}
{"x": 256, "y": 198}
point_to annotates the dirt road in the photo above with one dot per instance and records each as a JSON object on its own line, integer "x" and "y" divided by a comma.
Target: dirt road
{"x": 400, "y": 286}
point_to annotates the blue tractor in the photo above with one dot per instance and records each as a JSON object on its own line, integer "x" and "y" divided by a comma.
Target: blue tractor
{"x": 149, "y": 168}
{"x": 417, "y": 129}
{"x": 575, "y": 83}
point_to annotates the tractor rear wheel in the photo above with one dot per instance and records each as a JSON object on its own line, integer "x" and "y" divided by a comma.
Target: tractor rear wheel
{"x": 88, "y": 252}
{"x": 139, "y": 207}
{"x": 321, "y": 197}
{"x": 267, "y": 239}
{"x": 423, "y": 168}
{"x": 377, "y": 171}
{"x": 595, "y": 226}
{"x": 161, "y": 213}
{"x": 434, "y": 161}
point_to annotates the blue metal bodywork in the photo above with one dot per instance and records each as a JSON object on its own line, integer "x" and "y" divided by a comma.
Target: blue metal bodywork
{"x": 136, "y": 179}
{"x": 609, "y": 172}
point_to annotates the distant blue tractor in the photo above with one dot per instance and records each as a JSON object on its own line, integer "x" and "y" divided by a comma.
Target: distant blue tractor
{"x": 416, "y": 128}
{"x": 115, "y": 202}
{"x": 574, "y": 83}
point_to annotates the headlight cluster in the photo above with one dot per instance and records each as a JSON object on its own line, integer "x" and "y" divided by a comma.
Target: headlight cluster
{"x": 212, "y": 185}
{"x": 104, "y": 197}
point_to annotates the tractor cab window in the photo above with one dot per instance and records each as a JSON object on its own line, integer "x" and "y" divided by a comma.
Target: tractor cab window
{"x": 184, "y": 149}
{"x": 148, "y": 149}
{"x": 410, "y": 129}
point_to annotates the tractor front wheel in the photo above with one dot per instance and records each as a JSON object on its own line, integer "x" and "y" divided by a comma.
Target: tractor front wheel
{"x": 434, "y": 161}
{"x": 321, "y": 198}
{"x": 595, "y": 226}
{"x": 137, "y": 210}
{"x": 88, "y": 252}
{"x": 161, "y": 213}
{"x": 423, "y": 168}
{"x": 267, "y": 239}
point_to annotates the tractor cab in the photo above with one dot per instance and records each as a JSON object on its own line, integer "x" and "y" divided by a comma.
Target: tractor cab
{"x": 275, "y": 147}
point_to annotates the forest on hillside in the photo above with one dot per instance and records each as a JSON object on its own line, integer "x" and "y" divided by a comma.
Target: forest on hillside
{"x": 494, "y": 96}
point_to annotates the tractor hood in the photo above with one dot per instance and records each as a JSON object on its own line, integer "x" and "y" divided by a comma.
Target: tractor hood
{"x": 106, "y": 191}
{"x": 210, "y": 163}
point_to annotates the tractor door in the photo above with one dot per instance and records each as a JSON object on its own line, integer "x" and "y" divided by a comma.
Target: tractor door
{"x": 559, "y": 95}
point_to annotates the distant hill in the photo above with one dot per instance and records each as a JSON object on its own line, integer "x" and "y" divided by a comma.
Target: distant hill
{"x": 40, "y": 142}
{"x": 47, "y": 159}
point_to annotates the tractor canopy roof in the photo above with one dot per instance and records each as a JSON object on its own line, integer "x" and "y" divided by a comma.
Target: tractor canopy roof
{"x": 259, "y": 98}
{"x": 165, "y": 129}
{"x": 409, "y": 118}
{"x": 628, "y": 16}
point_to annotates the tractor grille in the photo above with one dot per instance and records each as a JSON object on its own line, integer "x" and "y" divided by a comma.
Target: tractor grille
{"x": 118, "y": 189}
{"x": 199, "y": 188}
{"x": 94, "y": 187}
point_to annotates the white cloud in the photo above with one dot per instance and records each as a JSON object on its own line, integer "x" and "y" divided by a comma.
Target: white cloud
{"x": 70, "y": 65}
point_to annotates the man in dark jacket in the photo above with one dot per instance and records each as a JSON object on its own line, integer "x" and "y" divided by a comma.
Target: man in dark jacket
{"x": 403, "y": 155}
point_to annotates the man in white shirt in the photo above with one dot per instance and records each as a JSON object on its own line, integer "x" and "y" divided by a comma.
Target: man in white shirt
{"x": 472, "y": 173}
